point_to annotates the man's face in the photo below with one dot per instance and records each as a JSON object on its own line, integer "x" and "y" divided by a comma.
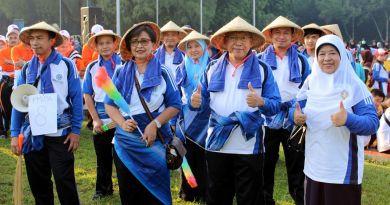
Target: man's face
{"x": 171, "y": 39}
{"x": 13, "y": 39}
{"x": 40, "y": 42}
{"x": 281, "y": 37}
{"x": 105, "y": 46}
{"x": 311, "y": 40}
{"x": 238, "y": 44}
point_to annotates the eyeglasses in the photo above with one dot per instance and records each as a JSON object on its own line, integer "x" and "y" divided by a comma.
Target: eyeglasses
{"x": 239, "y": 38}
{"x": 143, "y": 42}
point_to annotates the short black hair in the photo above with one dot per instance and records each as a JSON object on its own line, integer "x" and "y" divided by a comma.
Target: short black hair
{"x": 311, "y": 31}
{"x": 138, "y": 30}
{"x": 378, "y": 92}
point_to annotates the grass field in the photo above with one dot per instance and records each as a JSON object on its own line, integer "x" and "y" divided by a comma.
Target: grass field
{"x": 376, "y": 181}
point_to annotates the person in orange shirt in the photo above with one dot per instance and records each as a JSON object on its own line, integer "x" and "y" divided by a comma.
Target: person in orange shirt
{"x": 67, "y": 50}
{"x": 7, "y": 72}
{"x": 20, "y": 54}
{"x": 88, "y": 54}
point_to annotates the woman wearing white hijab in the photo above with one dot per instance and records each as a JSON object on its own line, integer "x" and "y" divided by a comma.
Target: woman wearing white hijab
{"x": 338, "y": 109}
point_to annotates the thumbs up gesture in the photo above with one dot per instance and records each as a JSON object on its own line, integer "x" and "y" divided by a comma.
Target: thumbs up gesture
{"x": 252, "y": 99}
{"x": 196, "y": 98}
{"x": 339, "y": 118}
{"x": 299, "y": 117}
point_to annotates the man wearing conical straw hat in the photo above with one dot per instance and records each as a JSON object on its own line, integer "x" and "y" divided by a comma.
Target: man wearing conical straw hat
{"x": 290, "y": 69}
{"x": 239, "y": 89}
{"x": 168, "y": 53}
{"x": 105, "y": 42}
{"x": 312, "y": 32}
{"x": 52, "y": 152}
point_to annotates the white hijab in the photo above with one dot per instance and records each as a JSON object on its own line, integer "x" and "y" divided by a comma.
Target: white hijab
{"x": 325, "y": 91}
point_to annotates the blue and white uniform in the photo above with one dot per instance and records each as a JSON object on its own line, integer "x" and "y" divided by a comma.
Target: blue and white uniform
{"x": 171, "y": 61}
{"x": 60, "y": 77}
{"x": 147, "y": 164}
{"x": 380, "y": 76}
{"x": 90, "y": 87}
{"x": 236, "y": 128}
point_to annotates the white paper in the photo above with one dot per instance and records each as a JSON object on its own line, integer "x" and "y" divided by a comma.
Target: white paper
{"x": 42, "y": 111}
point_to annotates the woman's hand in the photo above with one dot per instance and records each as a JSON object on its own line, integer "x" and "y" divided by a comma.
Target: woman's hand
{"x": 339, "y": 118}
{"x": 129, "y": 125}
{"x": 299, "y": 117}
{"x": 150, "y": 133}
{"x": 196, "y": 98}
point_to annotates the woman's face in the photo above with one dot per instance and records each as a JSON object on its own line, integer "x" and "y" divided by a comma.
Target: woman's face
{"x": 141, "y": 46}
{"x": 194, "y": 50}
{"x": 328, "y": 59}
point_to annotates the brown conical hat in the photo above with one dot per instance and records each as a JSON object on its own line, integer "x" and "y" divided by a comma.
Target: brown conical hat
{"x": 333, "y": 29}
{"x": 92, "y": 40}
{"x": 171, "y": 26}
{"x": 237, "y": 25}
{"x": 194, "y": 35}
{"x": 125, "y": 53}
{"x": 283, "y": 22}
{"x": 25, "y": 32}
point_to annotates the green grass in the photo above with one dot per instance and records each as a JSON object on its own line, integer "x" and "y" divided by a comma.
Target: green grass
{"x": 376, "y": 181}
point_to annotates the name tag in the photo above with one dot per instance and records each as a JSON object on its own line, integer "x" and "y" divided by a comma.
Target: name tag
{"x": 42, "y": 111}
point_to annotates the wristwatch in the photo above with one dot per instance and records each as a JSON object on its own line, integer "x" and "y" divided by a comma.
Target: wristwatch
{"x": 158, "y": 124}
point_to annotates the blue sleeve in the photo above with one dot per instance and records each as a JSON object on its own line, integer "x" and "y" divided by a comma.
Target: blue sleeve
{"x": 363, "y": 120}
{"x": 17, "y": 117}
{"x": 291, "y": 110}
{"x": 117, "y": 84}
{"x": 203, "y": 92}
{"x": 271, "y": 95}
{"x": 172, "y": 94}
{"x": 376, "y": 69}
{"x": 87, "y": 84}
{"x": 76, "y": 99}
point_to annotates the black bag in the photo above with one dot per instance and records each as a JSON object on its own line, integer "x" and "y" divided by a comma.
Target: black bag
{"x": 175, "y": 149}
{"x": 297, "y": 138}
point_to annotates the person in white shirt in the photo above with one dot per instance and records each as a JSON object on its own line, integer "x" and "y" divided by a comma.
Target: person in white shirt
{"x": 290, "y": 69}
{"x": 312, "y": 32}
{"x": 239, "y": 88}
{"x": 168, "y": 54}
{"x": 339, "y": 112}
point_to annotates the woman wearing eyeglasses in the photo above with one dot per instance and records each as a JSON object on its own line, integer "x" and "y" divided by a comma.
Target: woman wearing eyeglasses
{"x": 143, "y": 176}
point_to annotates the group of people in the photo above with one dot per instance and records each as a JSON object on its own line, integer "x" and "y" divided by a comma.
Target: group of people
{"x": 232, "y": 108}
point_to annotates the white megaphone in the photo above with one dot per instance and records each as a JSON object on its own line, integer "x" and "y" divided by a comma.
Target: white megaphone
{"x": 19, "y": 96}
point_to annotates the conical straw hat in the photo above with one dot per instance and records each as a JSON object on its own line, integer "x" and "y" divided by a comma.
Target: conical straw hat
{"x": 312, "y": 26}
{"x": 187, "y": 29}
{"x": 125, "y": 53}
{"x": 237, "y": 25}
{"x": 333, "y": 29}
{"x": 25, "y": 32}
{"x": 282, "y": 22}
{"x": 171, "y": 26}
{"x": 92, "y": 40}
{"x": 194, "y": 35}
